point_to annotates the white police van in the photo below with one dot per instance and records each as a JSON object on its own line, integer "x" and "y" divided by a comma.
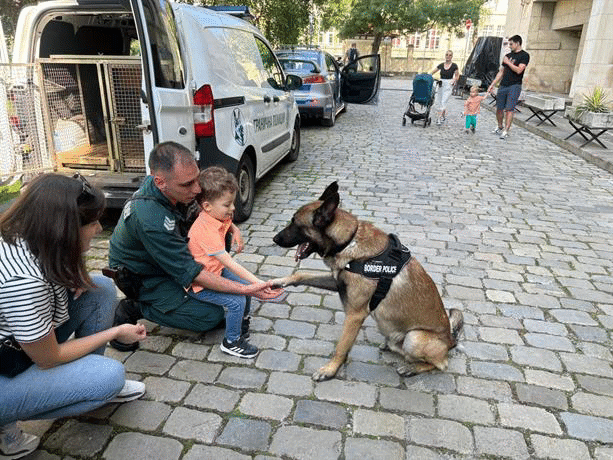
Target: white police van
{"x": 116, "y": 77}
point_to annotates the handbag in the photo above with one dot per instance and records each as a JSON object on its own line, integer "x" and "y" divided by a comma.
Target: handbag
{"x": 13, "y": 360}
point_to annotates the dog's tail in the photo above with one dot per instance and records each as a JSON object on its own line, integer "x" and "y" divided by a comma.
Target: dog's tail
{"x": 456, "y": 322}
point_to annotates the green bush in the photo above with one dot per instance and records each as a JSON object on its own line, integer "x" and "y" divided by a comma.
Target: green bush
{"x": 8, "y": 192}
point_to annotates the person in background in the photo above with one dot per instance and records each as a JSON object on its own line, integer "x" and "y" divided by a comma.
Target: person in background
{"x": 472, "y": 107}
{"x": 46, "y": 295}
{"x": 352, "y": 54}
{"x": 449, "y": 75}
{"x": 510, "y": 76}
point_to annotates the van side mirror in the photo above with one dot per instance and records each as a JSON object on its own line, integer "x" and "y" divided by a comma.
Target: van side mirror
{"x": 292, "y": 82}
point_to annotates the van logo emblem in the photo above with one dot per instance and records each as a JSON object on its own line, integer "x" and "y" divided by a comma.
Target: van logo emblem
{"x": 239, "y": 127}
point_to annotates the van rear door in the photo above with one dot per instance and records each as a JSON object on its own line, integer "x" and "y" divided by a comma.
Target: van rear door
{"x": 165, "y": 94}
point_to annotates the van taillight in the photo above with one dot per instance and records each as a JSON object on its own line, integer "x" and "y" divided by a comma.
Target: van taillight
{"x": 204, "y": 123}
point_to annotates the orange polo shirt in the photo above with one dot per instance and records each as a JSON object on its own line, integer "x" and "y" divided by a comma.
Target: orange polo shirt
{"x": 207, "y": 238}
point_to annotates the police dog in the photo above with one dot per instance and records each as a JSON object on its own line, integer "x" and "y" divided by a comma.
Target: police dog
{"x": 411, "y": 315}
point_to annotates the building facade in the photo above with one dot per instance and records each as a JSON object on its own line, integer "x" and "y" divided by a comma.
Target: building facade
{"x": 570, "y": 44}
{"x": 422, "y": 51}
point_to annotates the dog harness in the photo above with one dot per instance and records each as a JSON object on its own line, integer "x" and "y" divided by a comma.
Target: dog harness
{"x": 384, "y": 267}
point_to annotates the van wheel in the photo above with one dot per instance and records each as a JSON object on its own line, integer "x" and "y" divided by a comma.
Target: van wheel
{"x": 246, "y": 190}
{"x": 295, "y": 148}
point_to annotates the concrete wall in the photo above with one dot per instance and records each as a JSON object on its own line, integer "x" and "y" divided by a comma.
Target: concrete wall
{"x": 596, "y": 60}
{"x": 553, "y": 53}
{"x": 570, "y": 43}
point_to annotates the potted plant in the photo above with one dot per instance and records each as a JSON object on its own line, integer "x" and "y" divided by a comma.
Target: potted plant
{"x": 594, "y": 111}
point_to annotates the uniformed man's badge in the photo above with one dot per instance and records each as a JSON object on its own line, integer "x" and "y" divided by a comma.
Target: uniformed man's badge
{"x": 238, "y": 126}
{"x": 127, "y": 209}
{"x": 169, "y": 224}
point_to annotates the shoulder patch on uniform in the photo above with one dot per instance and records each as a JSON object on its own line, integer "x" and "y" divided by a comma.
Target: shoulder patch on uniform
{"x": 169, "y": 224}
{"x": 127, "y": 209}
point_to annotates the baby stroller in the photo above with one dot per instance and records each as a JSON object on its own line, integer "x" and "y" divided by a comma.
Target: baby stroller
{"x": 421, "y": 100}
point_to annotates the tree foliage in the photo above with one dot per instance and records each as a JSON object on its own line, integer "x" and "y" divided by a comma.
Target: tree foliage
{"x": 389, "y": 18}
{"x": 281, "y": 21}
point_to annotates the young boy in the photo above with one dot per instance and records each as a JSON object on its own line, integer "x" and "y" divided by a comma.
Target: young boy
{"x": 472, "y": 106}
{"x": 207, "y": 244}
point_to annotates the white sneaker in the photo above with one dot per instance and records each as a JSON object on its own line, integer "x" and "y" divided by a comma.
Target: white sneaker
{"x": 14, "y": 443}
{"x": 439, "y": 121}
{"x": 504, "y": 134}
{"x": 497, "y": 131}
{"x": 131, "y": 390}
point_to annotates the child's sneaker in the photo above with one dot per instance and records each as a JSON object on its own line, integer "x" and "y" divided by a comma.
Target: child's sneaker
{"x": 14, "y": 443}
{"x": 472, "y": 129}
{"x": 504, "y": 134}
{"x": 439, "y": 121}
{"x": 466, "y": 131}
{"x": 497, "y": 131}
{"x": 240, "y": 348}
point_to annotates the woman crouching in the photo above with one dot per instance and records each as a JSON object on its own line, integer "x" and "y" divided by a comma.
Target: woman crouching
{"x": 46, "y": 295}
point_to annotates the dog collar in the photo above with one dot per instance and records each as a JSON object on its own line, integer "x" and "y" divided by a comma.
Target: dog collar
{"x": 384, "y": 267}
{"x": 341, "y": 247}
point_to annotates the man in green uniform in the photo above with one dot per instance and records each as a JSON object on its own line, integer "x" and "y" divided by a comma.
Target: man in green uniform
{"x": 150, "y": 240}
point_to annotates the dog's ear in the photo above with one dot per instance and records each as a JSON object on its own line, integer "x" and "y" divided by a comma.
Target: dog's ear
{"x": 329, "y": 191}
{"x": 324, "y": 215}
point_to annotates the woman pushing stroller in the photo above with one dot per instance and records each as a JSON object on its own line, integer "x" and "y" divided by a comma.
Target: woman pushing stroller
{"x": 449, "y": 75}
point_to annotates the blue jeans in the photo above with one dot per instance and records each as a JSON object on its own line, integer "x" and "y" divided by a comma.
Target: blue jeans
{"x": 72, "y": 388}
{"x": 236, "y": 305}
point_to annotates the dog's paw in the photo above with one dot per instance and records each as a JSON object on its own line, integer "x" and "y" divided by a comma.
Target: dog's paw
{"x": 323, "y": 373}
{"x": 279, "y": 282}
{"x": 384, "y": 346}
{"x": 407, "y": 370}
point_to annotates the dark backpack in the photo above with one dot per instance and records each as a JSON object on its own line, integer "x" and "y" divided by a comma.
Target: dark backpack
{"x": 353, "y": 54}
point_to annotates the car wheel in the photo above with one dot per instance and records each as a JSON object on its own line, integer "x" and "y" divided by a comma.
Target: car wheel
{"x": 245, "y": 195}
{"x": 330, "y": 121}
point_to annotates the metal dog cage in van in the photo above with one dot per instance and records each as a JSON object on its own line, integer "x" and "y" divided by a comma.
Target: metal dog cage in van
{"x": 91, "y": 109}
{"x": 23, "y": 144}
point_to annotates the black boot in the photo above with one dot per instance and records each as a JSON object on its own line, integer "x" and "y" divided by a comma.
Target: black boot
{"x": 128, "y": 312}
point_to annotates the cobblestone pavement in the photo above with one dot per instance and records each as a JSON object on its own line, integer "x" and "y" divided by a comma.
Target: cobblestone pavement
{"x": 517, "y": 234}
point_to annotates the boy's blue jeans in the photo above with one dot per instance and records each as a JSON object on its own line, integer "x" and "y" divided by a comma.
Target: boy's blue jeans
{"x": 235, "y": 305}
{"x": 72, "y": 388}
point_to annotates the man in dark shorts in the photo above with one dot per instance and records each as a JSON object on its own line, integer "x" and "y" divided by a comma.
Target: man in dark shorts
{"x": 511, "y": 72}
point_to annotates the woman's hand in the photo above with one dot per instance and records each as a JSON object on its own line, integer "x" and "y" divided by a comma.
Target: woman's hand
{"x": 76, "y": 292}
{"x": 130, "y": 333}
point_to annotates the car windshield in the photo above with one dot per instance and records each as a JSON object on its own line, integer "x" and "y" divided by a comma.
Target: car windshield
{"x": 300, "y": 54}
{"x": 298, "y": 66}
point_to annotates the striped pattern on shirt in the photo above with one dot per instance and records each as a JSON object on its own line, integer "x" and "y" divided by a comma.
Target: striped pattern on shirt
{"x": 30, "y": 306}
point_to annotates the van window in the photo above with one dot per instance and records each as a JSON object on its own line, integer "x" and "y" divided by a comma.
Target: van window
{"x": 246, "y": 56}
{"x": 165, "y": 50}
{"x": 227, "y": 58}
{"x": 273, "y": 75}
